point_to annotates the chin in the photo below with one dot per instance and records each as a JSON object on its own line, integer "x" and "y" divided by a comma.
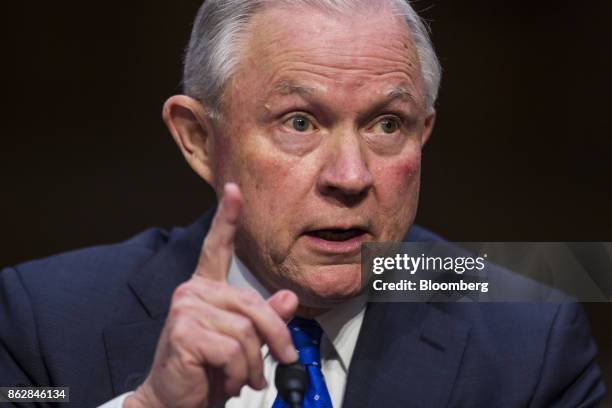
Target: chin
{"x": 327, "y": 285}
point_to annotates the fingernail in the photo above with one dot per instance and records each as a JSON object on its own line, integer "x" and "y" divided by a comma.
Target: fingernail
{"x": 229, "y": 187}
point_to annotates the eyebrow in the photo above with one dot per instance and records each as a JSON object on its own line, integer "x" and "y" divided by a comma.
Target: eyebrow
{"x": 287, "y": 87}
{"x": 400, "y": 92}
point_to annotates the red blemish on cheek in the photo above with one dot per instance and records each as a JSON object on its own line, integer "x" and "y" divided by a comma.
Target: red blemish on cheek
{"x": 396, "y": 172}
{"x": 407, "y": 167}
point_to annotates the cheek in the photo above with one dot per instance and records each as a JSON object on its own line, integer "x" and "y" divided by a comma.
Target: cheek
{"x": 275, "y": 191}
{"x": 407, "y": 170}
{"x": 226, "y": 161}
{"x": 399, "y": 176}
{"x": 273, "y": 186}
{"x": 275, "y": 177}
{"x": 264, "y": 179}
{"x": 397, "y": 196}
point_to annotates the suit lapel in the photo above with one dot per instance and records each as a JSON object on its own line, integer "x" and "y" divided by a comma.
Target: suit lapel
{"x": 154, "y": 284}
{"x": 130, "y": 348}
{"x": 408, "y": 355}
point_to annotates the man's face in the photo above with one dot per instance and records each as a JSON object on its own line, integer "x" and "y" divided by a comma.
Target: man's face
{"x": 324, "y": 123}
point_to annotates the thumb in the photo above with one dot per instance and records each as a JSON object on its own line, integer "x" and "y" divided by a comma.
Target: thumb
{"x": 285, "y": 303}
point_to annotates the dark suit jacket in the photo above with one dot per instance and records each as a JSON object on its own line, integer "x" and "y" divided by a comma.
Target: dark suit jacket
{"x": 90, "y": 320}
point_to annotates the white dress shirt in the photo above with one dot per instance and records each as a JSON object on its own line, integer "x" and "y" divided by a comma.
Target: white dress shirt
{"x": 340, "y": 326}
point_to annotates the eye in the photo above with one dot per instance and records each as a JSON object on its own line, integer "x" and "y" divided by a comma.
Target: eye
{"x": 299, "y": 123}
{"x": 388, "y": 125}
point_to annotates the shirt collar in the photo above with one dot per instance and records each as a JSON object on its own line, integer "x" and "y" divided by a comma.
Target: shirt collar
{"x": 340, "y": 324}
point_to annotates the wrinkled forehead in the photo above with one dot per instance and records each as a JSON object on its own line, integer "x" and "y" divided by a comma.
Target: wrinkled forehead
{"x": 365, "y": 48}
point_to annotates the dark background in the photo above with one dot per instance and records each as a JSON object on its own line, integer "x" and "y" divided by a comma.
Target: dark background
{"x": 522, "y": 149}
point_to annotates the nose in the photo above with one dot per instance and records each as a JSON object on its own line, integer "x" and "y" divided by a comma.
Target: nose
{"x": 345, "y": 177}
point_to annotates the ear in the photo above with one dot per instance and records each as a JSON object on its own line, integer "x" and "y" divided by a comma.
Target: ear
{"x": 428, "y": 127}
{"x": 192, "y": 131}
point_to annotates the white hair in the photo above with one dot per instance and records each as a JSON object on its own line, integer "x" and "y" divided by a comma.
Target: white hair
{"x": 213, "y": 51}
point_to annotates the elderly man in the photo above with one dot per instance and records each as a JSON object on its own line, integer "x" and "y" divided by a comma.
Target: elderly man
{"x": 308, "y": 118}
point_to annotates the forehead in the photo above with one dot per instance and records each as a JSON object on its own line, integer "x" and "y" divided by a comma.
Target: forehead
{"x": 368, "y": 47}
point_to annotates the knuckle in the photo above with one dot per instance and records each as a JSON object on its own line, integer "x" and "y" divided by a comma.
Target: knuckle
{"x": 251, "y": 298}
{"x": 177, "y": 309}
{"x": 186, "y": 358}
{"x": 182, "y": 291}
{"x": 233, "y": 350}
{"x": 245, "y": 328}
{"x": 179, "y": 334}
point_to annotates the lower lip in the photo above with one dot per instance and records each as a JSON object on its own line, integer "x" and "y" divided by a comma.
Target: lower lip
{"x": 336, "y": 247}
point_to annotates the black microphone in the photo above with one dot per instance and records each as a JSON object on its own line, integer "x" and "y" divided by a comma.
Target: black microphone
{"x": 291, "y": 381}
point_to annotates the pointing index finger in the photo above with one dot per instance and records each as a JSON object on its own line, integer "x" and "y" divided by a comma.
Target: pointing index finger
{"x": 218, "y": 247}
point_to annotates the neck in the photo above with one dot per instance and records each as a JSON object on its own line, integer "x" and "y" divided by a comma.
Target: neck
{"x": 310, "y": 312}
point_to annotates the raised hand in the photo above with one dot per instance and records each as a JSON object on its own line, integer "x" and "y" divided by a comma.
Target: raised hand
{"x": 210, "y": 345}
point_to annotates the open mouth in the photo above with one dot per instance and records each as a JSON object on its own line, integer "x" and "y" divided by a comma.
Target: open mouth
{"x": 336, "y": 235}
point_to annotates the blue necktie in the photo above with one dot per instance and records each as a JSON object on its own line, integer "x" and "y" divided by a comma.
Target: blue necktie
{"x": 306, "y": 336}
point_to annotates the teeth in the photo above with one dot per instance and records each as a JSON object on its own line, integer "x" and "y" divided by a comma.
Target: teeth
{"x": 337, "y": 235}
